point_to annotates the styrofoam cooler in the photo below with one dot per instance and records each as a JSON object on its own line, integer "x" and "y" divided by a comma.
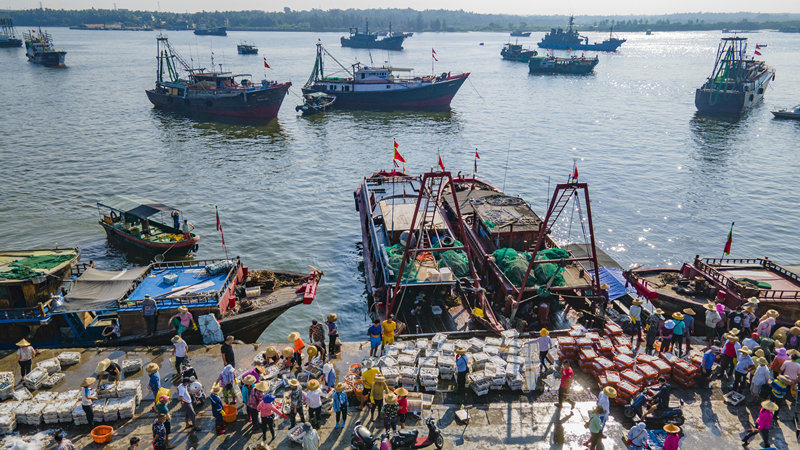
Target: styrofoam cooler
{"x": 64, "y": 410}
{"x": 478, "y": 382}
{"x": 408, "y": 375}
{"x": 68, "y": 358}
{"x": 447, "y": 349}
{"x": 130, "y": 366}
{"x": 127, "y": 407}
{"x": 51, "y": 365}
{"x": 475, "y": 344}
{"x": 438, "y": 339}
{"x": 53, "y": 380}
{"x": 478, "y": 360}
{"x": 50, "y": 413}
{"x": 392, "y": 375}
{"x": 106, "y": 390}
{"x": 33, "y": 380}
{"x": 429, "y": 377}
{"x": 406, "y": 360}
{"x": 79, "y": 415}
{"x": 8, "y": 423}
{"x": 428, "y": 361}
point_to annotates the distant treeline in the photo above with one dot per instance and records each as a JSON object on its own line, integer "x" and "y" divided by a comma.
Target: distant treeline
{"x": 401, "y": 20}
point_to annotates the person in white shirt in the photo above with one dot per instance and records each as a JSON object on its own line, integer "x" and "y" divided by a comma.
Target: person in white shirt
{"x": 761, "y": 377}
{"x": 712, "y": 319}
{"x": 545, "y": 344}
{"x": 635, "y": 313}
{"x": 313, "y": 398}
{"x": 603, "y": 402}
{"x": 179, "y": 348}
{"x": 638, "y": 436}
{"x": 186, "y": 401}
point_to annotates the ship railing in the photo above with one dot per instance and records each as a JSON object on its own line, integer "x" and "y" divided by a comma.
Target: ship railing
{"x": 705, "y": 267}
{"x": 31, "y": 313}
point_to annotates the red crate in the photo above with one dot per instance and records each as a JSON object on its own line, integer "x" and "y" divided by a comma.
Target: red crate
{"x": 626, "y": 389}
{"x": 603, "y": 364}
{"x": 605, "y": 345}
{"x": 621, "y": 340}
{"x": 587, "y": 354}
{"x": 602, "y": 381}
{"x": 613, "y": 329}
{"x": 634, "y": 377}
{"x": 565, "y": 341}
{"x": 696, "y": 359}
{"x": 623, "y": 361}
{"x": 593, "y": 335}
{"x": 649, "y": 372}
{"x": 684, "y": 369}
{"x": 645, "y": 358}
{"x": 613, "y": 377}
{"x": 625, "y": 350}
{"x": 669, "y": 357}
{"x": 583, "y": 342}
{"x": 664, "y": 368}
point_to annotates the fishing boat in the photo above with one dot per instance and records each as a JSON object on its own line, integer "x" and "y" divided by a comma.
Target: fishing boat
{"x": 212, "y": 93}
{"x": 737, "y": 82}
{"x": 315, "y": 103}
{"x": 570, "y": 39}
{"x": 380, "y": 88}
{"x": 390, "y": 41}
{"x": 791, "y": 113}
{"x": 568, "y": 66}
{"x": 242, "y": 302}
{"x": 515, "y": 52}
{"x": 146, "y": 226}
{"x": 204, "y": 30}
{"x": 731, "y": 281}
{"x": 29, "y": 278}
{"x": 8, "y": 35}
{"x": 247, "y": 49}
{"x": 520, "y": 33}
{"x": 39, "y": 49}
{"x": 508, "y": 243}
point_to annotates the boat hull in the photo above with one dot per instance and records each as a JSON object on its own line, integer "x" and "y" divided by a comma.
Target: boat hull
{"x": 181, "y": 248}
{"x": 387, "y": 43}
{"x": 221, "y": 31}
{"x": 49, "y": 59}
{"x": 10, "y": 42}
{"x": 786, "y": 115}
{"x": 713, "y": 102}
{"x": 261, "y": 104}
{"x": 572, "y": 67}
{"x": 431, "y": 97}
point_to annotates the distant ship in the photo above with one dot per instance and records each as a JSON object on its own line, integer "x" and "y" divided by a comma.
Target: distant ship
{"x": 210, "y": 92}
{"x": 515, "y": 52}
{"x": 247, "y": 49}
{"x": 39, "y": 49}
{"x": 737, "y": 82}
{"x": 8, "y": 35}
{"x": 566, "y": 66}
{"x": 204, "y": 30}
{"x": 520, "y": 33}
{"x": 379, "y": 87}
{"x": 390, "y": 41}
{"x": 559, "y": 39}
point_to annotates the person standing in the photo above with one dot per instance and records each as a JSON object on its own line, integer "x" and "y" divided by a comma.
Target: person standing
{"x": 333, "y": 334}
{"x": 162, "y": 408}
{"x": 767, "y": 323}
{"x": 735, "y": 319}
{"x": 367, "y": 378}
{"x": 179, "y": 348}
{"x": 793, "y": 341}
{"x": 154, "y": 379}
{"x": 603, "y": 402}
{"x": 677, "y": 333}
{"x": 545, "y": 344}
{"x": 296, "y": 397}
{"x": 635, "y": 313}
{"x": 316, "y": 334}
{"x": 712, "y": 320}
{"x": 390, "y": 411}
{"x": 462, "y": 369}
{"x": 217, "y": 410}
{"x": 402, "y": 402}
{"x": 87, "y": 398}
{"x": 298, "y": 346}
{"x": 707, "y": 369}
{"x": 310, "y": 438}
{"x": 729, "y": 350}
{"x": 159, "y": 433}
{"x": 653, "y": 327}
{"x": 595, "y": 425}
{"x": 673, "y": 440}
{"x": 149, "y": 312}
{"x": 791, "y": 370}
{"x": 176, "y": 219}
{"x": 759, "y": 386}
{"x": 748, "y": 319}
{"x": 688, "y": 320}
{"x": 781, "y": 356}
{"x": 227, "y": 382}
{"x": 665, "y": 336}
{"x": 564, "y": 385}
{"x": 744, "y": 363}
{"x": 374, "y": 333}
{"x": 226, "y": 348}
{"x": 376, "y": 395}
{"x": 780, "y": 385}
{"x": 340, "y": 404}
{"x": 763, "y": 424}
{"x": 313, "y": 398}
{"x": 186, "y": 402}
{"x": 25, "y": 354}
{"x": 328, "y": 376}
{"x": 254, "y": 397}
{"x": 388, "y": 327}
{"x": 247, "y": 388}
{"x": 751, "y": 341}
{"x": 267, "y": 410}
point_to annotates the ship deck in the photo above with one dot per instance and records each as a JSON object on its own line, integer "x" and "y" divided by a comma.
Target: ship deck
{"x": 42, "y": 262}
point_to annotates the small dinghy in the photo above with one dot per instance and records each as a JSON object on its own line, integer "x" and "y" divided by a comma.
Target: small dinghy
{"x": 315, "y": 102}
{"x": 791, "y": 113}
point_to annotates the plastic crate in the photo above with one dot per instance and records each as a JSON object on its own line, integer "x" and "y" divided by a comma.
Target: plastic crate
{"x": 603, "y": 364}
{"x": 613, "y": 377}
{"x": 584, "y": 342}
{"x": 623, "y": 361}
{"x": 633, "y": 377}
{"x": 613, "y": 329}
{"x": 684, "y": 369}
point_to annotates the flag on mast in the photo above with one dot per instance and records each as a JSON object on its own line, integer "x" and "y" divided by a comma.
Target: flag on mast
{"x": 728, "y": 243}
{"x": 757, "y": 52}
{"x": 265, "y": 63}
{"x": 477, "y": 157}
{"x": 441, "y": 164}
{"x": 219, "y": 227}
{"x": 574, "y": 172}
{"x": 433, "y": 55}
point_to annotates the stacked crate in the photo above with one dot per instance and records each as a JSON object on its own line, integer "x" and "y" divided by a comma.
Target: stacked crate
{"x": 664, "y": 368}
{"x": 496, "y": 375}
{"x": 623, "y": 362}
{"x": 7, "y": 382}
{"x": 650, "y": 373}
{"x": 684, "y": 373}
{"x": 34, "y": 379}
{"x": 612, "y": 329}
{"x": 479, "y": 383}
{"x": 567, "y": 348}
{"x": 51, "y": 365}
{"x": 514, "y": 376}
{"x": 429, "y": 378}
{"x": 586, "y": 358}
{"x": 626, "y": 391}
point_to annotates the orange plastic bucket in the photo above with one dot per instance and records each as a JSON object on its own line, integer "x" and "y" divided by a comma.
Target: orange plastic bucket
{"x": 355, "y": 368}
{"x": 229, "y": 413}
{"x": 102, "y": 434}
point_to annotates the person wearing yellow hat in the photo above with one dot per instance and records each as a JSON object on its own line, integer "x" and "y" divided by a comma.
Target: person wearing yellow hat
{"x": 109, "y": 370}
{"x": 25, "y": 354}
{"x": 182, "y": 320}
{"x": 87, "y": 398}
{"x": 678, "y": 333}
{"x": 791, "y": 370}
{"x": 712, "y": 320}
{"x": 296, "y": 398}
{"x": 730, "y": 347}
{"x": 654, "y": 324}
{"x": 179, "y": 349}
{"x": 333, "y": 334}
{"x": 298, "y": 346}
{"x": 316, "y": 335}
{"x": 673, "y": 440}
{"x": 748, "y": 319}
{"x": 390, "y": 412}
{"x": 313, "y": 398}
{"x": 376, "y": 395}
{"x": 271, "y": 356}
{"x": 603, "y": 401}
{"x": 402, "y": 402}
{"x": 635, "y": 314}
{"x": 462, "y": 369}
{"x": 545, "y": 344}
{"x": 248, "y": 383}
{"x": 793, "y": 339}
{"x": 367, "y": 379}
{"x": 763, "y": 424}
{"x": 340, "y": 404}
{"x": 688, "y": 320}
{"x": 744, "y": 363}
{"x": 759, "y": 385}
{"x": 154, "y": 379}
{"x": 217, "y": 409}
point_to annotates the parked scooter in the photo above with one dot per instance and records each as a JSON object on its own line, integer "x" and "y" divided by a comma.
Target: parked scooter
{"x": 362, "y": 438}
{"x": 411, "y": 440}
{"x": 196, "y": 390}
{"x": 659, "y": 418}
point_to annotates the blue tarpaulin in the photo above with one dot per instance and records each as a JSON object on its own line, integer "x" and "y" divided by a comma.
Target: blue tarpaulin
{"x": 194, "y": 278}
{"x": 615, "y": 281}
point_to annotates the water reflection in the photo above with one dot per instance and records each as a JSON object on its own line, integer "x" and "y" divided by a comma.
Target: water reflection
{"x": 183, "y": 127}
{"x": 714, "y": 137}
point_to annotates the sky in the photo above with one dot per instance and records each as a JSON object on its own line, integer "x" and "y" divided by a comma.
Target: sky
{"x": 522, "y": 7}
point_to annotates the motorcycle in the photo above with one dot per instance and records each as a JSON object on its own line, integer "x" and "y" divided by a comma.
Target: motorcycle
{"x": 411, "y": 440}
{"x": 362, "y": 438}
{"x": 195, "y": 389}
{"x": 659, "y": 418}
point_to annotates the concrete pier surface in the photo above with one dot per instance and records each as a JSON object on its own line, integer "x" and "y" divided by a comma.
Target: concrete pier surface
{"x": 511, "y": 420}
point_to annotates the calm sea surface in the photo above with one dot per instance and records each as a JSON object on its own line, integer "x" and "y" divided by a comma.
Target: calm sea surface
{"x": 665, "y": 185}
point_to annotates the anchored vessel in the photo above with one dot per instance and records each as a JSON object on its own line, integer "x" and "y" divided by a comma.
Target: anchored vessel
{"x": 144, "y": 225}
{"x": 209, "y": 92}
{"x": 39, "y": 49}
{"x": 204, "y": 30}
{"x": 569, "y": 39}
{"x": 379, "y": 87}
{"x": 737, "y": 82}
{"x": 791, "y": 113}
{"x": 243, "y": 302}
{"x": 553, "y": 65}
{"x": 520, "y": 33}
{"x": 731, "y": 281}
{"x": 390, "y": 41}
{"x": 315, "y": 102}
{"x": 515, "y": 52}
{"x": 8, "y": 35}
{"x": 247, "y": 49}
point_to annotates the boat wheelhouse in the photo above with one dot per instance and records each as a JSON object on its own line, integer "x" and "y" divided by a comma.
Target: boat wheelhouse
{"x": 247, "y": 49}
{"x": 790, "y": 113}
{"x": 8, "y": 34}
{"x": 28, "y": 278}
{"x": 515, "y": 52}
{"x": 386, "y": 88}
{"x": 145, "y": 225}
{"x": 737, "y": 82}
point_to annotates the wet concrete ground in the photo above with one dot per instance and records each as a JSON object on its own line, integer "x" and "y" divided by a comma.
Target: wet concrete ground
{"x": 505, "y": 420}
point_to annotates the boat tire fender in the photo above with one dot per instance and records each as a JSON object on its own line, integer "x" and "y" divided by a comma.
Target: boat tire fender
{"x": 195, "y": 247}
{"x": 114, "y": 216}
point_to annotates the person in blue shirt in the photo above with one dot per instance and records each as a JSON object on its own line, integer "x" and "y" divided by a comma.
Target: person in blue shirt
{"x": 688, "y": 319}
{"x": 216, "y": 409}
{"x": 677, "y": 333}
{"x": 154, "y": 383}
{"x": 333, "y": 334}
{"x": 340, "y": 404}
{"x": 462, "y": 369}
{"x": 707, "y": 370}
{"x": 374, "y": 333}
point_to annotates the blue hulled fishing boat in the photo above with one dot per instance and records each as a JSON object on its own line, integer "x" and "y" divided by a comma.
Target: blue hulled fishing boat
{"x": 570, "y": 39}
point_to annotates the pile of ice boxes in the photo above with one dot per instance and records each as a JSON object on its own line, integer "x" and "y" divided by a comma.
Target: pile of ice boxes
{"x": 7, "y": 382}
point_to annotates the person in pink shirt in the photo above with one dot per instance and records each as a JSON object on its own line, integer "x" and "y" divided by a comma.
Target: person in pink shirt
{"x": 673, "y": 440}
{"x": 763, "y": 424}
{"x": 267, "y": 410}
{"x": 777, "y": 363}
{"x": 791, "y": 368}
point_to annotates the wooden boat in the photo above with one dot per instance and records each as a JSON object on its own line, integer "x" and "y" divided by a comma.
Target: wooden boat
{"x": 247, "y": 49}
{"x": 791, "y": 113}
{"x": 28, "y": 278}
{"x": 730, "y": 281}
{"x": 144, "y": 225}
{"x": 315, "y": 102}
{"x": 94, "y": 297}
{"x": 564, "y": 66}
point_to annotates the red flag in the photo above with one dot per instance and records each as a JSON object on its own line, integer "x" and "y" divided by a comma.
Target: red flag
{"x": 758, "y": 53}
{"x": 265, "y": 63}
{"x": 398, "y": 157}
{"x": 727, "y": 250}
{"x": 477, "y": 157}
{"x": 441, "y": 164}
{"x": 219, "y": 227}
{"x": 575, "y": 172}
{"x": 433, "y": 55}
{"x": 396, "y": 144}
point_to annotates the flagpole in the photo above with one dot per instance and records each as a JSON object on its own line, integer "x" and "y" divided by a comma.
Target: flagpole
{"x": 730, "y": 239}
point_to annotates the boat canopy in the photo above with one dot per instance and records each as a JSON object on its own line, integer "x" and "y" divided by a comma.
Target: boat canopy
{"x": 318, "y": 95}
{"x": 98, "y": 290}
{"x": 135, "y": 205}
{"x": 398, "y": 216}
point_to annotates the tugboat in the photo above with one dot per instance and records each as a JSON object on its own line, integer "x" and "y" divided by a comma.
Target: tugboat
{"x": 520, "y": 33}
{"x": 212, "y": 93}
{"x": 515, "y": 52}
{"x": 567, "y": 66}
{"x": 314, "y": 103}
{"x": 247, "y": 49}
{"x": 559, "y": 39}
{"x": 8, "y": 35}
{"x": 379, "y": 87}
{"x": 39, "y": 49}
{"x": 391, "y": 41}
{"x": 204, "y": 30}
{"x": 737, "y": 82}
{"x": 142, "y": 225}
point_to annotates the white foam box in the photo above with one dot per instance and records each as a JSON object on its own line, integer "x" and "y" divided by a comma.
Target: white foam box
{"x": 447, "y": 349}
{"x": 512, "y": 333}
{"x": 392, "y": 375}
{"x": 408, "y": 375}
{"x": 22, "y": 394}
{"x": 406, "y": 360}
{"x": 130, "y": 366}
{"x": 34, "y": 379}
{"x": 72, "y": 394}
{"x": 8, "y": 423}
{"x": 428, "y": 361}
{"x": 438, "y": 339}
{"x": 127, "y": 407}
{"x": 106, "y": 390}
{"x": 50, "y": 413}
{"x": 69, "y": 358}
{"x": 493, "y": 341}
{"x": 64, "y": 410}
{"x": 475, "y": 344}
{"x": 491, "y": 349}
{"x": 79, "y": 415}
{"x": 53, "y": 380}
{"x": 129, "y": 388}
{"x": 479, "y": 360}
{"x": 111, "y": 410}
{"x": 51, "y": 365}
{"x": 387, "y": 361}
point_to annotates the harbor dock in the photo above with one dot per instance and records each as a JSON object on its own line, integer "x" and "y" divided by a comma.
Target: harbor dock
{"x": 505, "y": 419}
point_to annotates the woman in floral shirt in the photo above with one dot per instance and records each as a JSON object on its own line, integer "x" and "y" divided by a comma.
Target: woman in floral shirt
{"x": 390, "y": 411}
